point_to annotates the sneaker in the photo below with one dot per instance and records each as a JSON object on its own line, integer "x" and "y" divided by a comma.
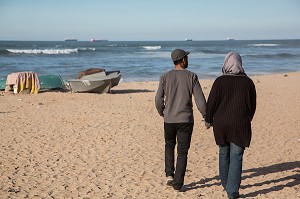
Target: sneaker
{"x": 182, "y": 189}
{"x": 235, "y": 197}
{"x": 169, "y": 181}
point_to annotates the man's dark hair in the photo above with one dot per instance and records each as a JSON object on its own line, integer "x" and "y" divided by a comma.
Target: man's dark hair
{"x": 178, "y": 61}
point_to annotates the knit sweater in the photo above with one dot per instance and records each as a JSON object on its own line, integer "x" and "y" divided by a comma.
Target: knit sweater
{"x": 173, "y": 98}
{"x": 230, "y": 108}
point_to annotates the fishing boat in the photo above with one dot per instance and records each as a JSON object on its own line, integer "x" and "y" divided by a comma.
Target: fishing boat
{"x": 51, "y": 82}
{"x": 89, "y": 85}
{"x": 2, "y": 84}
{"x": 188, "y": 39}
{"x": 95, "y": 80}
{"x": 114, "y": 76}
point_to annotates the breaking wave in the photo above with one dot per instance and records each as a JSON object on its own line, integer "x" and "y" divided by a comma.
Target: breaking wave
{"x": 43, "y": 51}
{"x": 264, "y": 45}
{"x": 269, "y": 56}
{"x": 151, "y": 47}
{"x": 48, "y": 51}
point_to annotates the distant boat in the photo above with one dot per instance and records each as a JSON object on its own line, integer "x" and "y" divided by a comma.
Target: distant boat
{"x": 70, "y": 39}
{"x": 229, "y": 39}
{"x": 98, "y": 40}
{"x": 188, "y": 39}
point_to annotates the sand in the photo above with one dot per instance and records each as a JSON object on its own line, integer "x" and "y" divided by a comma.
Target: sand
{"x": 71, "y": 145}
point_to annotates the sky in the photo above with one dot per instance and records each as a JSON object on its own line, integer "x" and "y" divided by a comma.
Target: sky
{"x": 151, "y": 20}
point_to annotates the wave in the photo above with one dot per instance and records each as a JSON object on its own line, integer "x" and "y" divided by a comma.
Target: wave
{"x": 3, "y": 52}
{"x": 46, "y": 51}
{"x": 43, "y": 51}
{"x": 279, "y": 55}
{"x": 87, "y": 49}
{"x": 264, "y": 45}
{"x": 213, "y": 52}
{"x": 151, "y": 47}
{"x": 112, "y": 45}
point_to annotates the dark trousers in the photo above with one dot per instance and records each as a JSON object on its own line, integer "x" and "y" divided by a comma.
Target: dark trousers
{"x": 183, "y": 133}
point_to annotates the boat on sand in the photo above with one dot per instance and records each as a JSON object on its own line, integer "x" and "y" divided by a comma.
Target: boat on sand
{"x": 95, "y": 81}
{"x": 89, "y": 85}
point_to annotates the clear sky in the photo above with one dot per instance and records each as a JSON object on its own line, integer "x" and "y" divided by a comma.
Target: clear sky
{"x": 142, "y": 20}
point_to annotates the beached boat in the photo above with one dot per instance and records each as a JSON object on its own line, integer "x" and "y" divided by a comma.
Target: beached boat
{"x": 51, "y": 82}
{"x": 47, "y": 82}
{"x": 89, "y": 85}
{"x": 114, "y": 76}
{"x": 93, "y": 81}
{"x": 2, "y": 84}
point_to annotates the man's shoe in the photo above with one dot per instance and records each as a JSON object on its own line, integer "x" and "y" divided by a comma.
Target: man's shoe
{"x": 182, "y": 189}
{"x": 169, "y": 181}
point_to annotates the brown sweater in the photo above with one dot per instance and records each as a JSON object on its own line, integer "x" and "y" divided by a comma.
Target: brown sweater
{"x": 230, "y": 108}
{"x": 173, "y": 99}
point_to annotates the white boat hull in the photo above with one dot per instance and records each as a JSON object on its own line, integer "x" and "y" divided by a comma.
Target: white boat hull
{"x": 114, "y": 76}
{"x": 89, "y": 86}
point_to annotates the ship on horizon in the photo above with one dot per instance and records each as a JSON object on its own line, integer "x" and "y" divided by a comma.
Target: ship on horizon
{"x": 98, "y": 40}
{"x": 229, "y": 39}
{"x": 70, "y": 39}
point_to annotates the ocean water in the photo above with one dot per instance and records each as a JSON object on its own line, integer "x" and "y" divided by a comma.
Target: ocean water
{"x": 146, "y": 60}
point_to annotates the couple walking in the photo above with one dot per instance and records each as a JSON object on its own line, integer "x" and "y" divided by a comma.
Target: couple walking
{"x": 229, "y": 110}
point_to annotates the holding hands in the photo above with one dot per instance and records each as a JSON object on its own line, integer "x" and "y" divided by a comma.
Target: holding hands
{"x": 207, "y": 125}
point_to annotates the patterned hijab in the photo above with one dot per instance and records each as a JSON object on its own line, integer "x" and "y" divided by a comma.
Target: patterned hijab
{"x": 233, "y": 64}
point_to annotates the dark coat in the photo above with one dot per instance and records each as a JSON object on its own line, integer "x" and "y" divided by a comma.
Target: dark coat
{"x": 230, "y": 108}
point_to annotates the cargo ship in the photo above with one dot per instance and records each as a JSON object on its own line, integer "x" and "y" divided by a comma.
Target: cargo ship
{"x": 98, "y": 40}
{"x": 70, "y": 39}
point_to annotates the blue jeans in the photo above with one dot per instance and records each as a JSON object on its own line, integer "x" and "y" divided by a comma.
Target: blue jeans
{"x": 183, "y": 133}
{"x": 230, "y": 168}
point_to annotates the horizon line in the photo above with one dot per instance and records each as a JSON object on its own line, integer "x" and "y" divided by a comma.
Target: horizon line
{"x": 149, "y": 40}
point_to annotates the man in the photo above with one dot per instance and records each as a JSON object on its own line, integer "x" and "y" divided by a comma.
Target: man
{"x": 173, "y": 102}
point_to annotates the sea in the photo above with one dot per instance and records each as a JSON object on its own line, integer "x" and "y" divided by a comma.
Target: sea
{"x": 146, "y": 60}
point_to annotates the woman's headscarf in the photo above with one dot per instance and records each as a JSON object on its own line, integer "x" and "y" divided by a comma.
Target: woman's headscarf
{"x": 233, "y": 64}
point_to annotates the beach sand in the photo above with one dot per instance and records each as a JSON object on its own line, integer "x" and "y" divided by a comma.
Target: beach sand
{"x": 71, "y": 145}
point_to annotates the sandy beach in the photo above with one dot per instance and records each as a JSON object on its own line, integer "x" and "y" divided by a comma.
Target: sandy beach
{"x": 73, "y": 145}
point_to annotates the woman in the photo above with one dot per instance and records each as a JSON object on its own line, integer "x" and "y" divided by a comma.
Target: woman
{"x": 230, "y": 108}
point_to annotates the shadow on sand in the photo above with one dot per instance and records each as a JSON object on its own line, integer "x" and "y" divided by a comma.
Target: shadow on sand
{"x": 286, "y": 181}
{"x": 127, "y": 91}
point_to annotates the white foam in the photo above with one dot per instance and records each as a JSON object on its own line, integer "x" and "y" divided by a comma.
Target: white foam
{"x": 43, "y": 51}
{"x": 151, "y": 47}
{"x": 270, "y": 45}
{"x": 112, "y": 45}
{"x": 92, "y": 49}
